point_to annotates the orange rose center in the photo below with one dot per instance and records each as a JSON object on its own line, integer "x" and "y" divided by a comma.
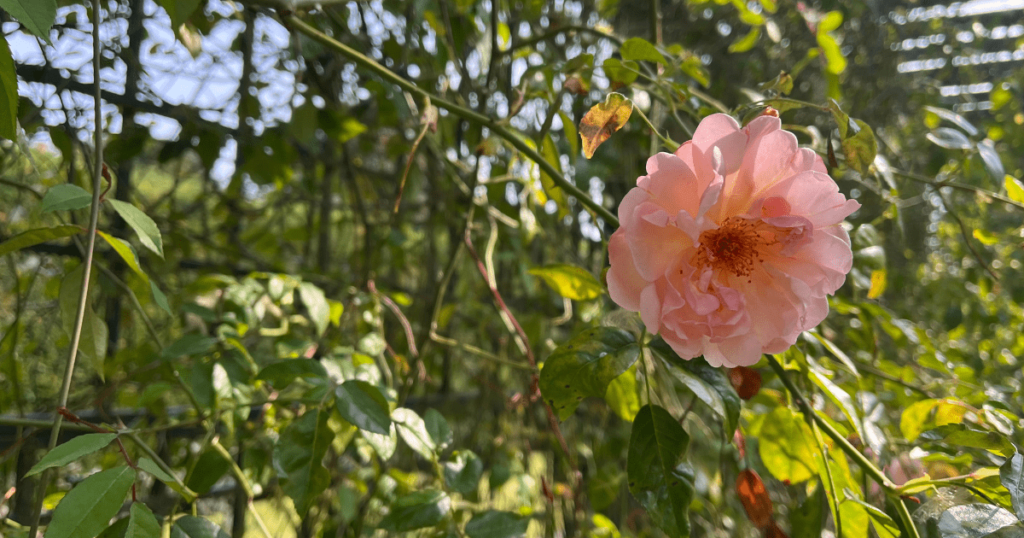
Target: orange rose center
{"x": 737, "y": 246}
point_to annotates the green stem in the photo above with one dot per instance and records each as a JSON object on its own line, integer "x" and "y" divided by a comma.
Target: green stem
{"x": 83, "y": 296}
{"x": 908, "y": 523}
{"x": 518, "y": 142}
{"x": 668, "y": 142}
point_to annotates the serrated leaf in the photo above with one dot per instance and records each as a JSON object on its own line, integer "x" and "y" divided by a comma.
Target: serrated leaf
{"x": 298, "y": 457}
{"x": 142, "y": 523}
{"x": 603, "y": 120}
{"x": 363, "y": 405}
{"x": 1011, "y": 476}
{"x": 37, "y": 236}
{"x": 639, "y": 49}
{"x": 413, "y": 431}
{"x": 65, "y": 197}
{"x": 585, "y": 366}
{"x": 659, "y": 477}
{"x": 36, "y": 15}
{"x": 569, "y": 281}
{"x": 70, "y": 451}
{"x": 495, "y": 524}
{"x": 462, "y": 474}
{"x": 147, "y": 230}
{"x": 87, "y": 509}
{"x": 316, "y": 303}
{"x": 196, "y": 527}
{"x": 416, "y": 511}
{"x": 8, "y": 91}
{"x": 785, "y": 446}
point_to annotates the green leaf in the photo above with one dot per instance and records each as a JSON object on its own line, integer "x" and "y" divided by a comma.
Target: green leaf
{"x": 87, "y": 509}
{"x": 914, "y": 419}
{"x": 495, "y": 524}
{"x": 621, "y": 72}
{"x": 707, "y": 383}
{"x": 208, "y": 470}
{"x": 37, "y": 236}
{"x": 1011, "y": 476}
{"x": 126, "y": 252}
{"x": 283, "y": 373}
{"x": 747, "y": 42}
{"x": 8, "y": 92}
{"x": 659, "y": 476}
{"x": 189, "y": 345}
{"x": 569, "y": 281}
{"x": 36, "y": 15}
{"x": 147, "y": 230}
{"x": 550, "y": 153}
{"x": 438, "y": 428}
{"x": 72, "y": 450}
{"x": 1014, "y": 190}
{"x": 639, "y": 49}
{"x": 159, "y": 298}
{"x": 65, "y": 197}
{"x": 383, "y": 445}
{"x": 414, "y": 432}
{"x": 785, "y": 446}
{"x": 179, "y": 10}
{"x": 298, "y": 457}
{"x": 416, "y": 511}
{"x": 585, "y": 366}
{"x": 623, "y": 395}
{"x": 974, "y": 521}
{"x": 959, "y": 435}
{"x": 883, "y": 524}
{"x": 809, "y": 518}
{"x": 142, "y": 523}
{"x": 463, "y": 473}
{"x": 861, "y": 148}
{"x": 838, "y": 396}
{"x": 196, "y": 527}
{"x": 316, "y": 303}
{"x": 572, "y": 136}
{"x": 363, "y": 405}
{"x": 152, "y": 468}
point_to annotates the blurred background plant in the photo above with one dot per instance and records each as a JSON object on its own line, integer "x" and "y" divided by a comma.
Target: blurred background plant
{"x": 342, "y": 238}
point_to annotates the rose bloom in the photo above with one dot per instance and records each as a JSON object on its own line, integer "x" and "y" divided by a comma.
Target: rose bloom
{"x": 729, "y": 247}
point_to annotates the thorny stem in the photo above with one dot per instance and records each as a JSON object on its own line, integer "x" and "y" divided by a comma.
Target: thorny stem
{"x": 516, "y": 141}
{"x": 83, "y": 296}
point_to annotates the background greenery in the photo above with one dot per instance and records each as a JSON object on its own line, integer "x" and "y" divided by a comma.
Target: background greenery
{"x": 344, "y": 271}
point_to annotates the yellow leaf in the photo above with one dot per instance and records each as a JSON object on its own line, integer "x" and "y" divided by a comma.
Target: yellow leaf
{"x": 603, "y": 120}
{"x": 878, "y": 283}
{"x": 1014, "y": 189}
{"x": 986, "y": 238}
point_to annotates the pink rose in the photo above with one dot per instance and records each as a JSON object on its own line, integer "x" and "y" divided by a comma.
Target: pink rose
{"x": 728, "y": 247}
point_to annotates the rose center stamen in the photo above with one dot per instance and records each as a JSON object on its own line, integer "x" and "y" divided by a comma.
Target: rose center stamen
{"x": 736, "y": 246}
